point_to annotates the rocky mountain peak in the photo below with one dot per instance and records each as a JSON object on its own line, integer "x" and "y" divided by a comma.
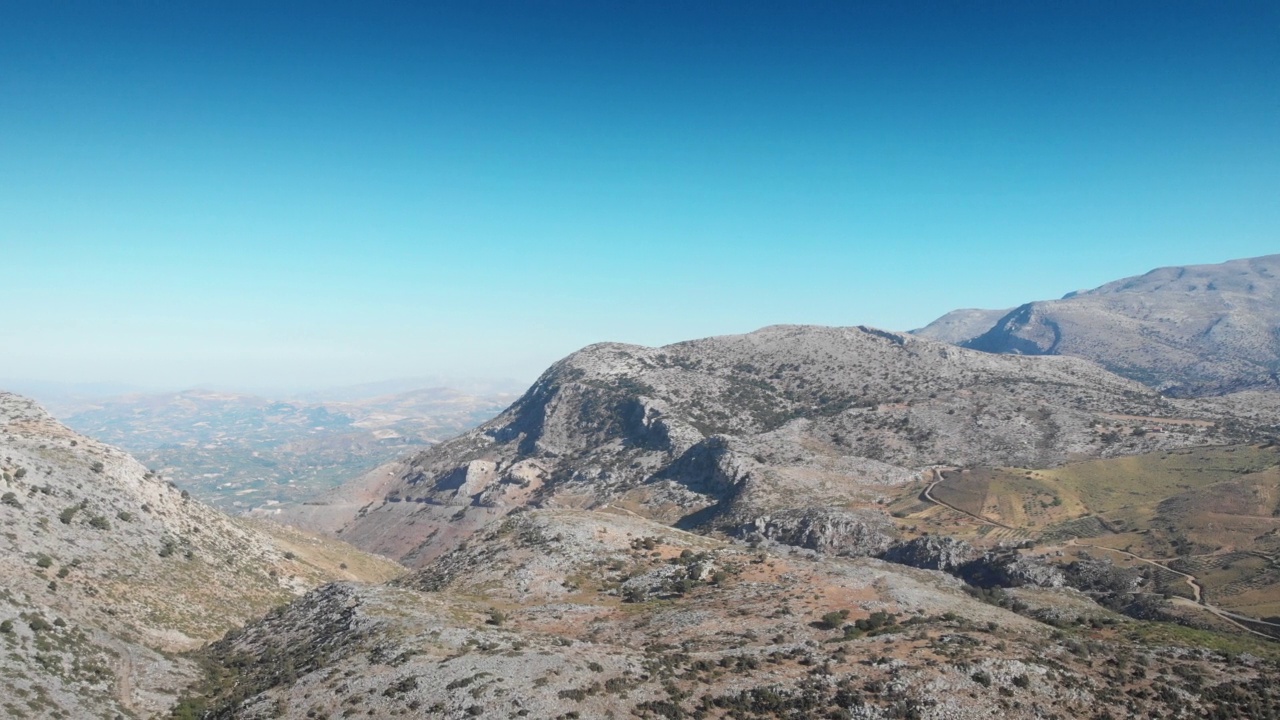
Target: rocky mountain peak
{"x": 723, "y": 431}
{"x": 1192, "y": 330}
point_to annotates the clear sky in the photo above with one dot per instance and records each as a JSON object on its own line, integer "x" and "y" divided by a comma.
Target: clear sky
{"x": 260, "y": 193}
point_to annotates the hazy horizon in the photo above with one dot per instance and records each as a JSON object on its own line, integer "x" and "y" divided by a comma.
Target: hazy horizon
{"x": 56, "y": 391}
{"x": 316, "y": 195}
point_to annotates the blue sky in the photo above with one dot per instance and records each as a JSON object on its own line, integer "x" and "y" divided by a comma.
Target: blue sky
{"x": 267, "y": 194}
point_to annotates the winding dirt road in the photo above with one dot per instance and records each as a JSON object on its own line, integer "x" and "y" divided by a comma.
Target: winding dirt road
{"x": 1197, "y": 590}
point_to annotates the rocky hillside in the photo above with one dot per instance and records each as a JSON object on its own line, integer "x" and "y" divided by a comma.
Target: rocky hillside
{"x": 577, "y": 614}
{"x": 1195, "y": 330}
{"x": 729, "y": 431}
{"x": 108, "y": 568}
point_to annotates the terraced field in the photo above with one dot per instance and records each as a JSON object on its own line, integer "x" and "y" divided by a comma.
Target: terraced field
{"x": 1211, "y": 512}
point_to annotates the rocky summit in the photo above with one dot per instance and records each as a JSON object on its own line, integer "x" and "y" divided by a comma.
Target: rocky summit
{"x": 1194, "y": 330}
{"x": 748, "y": 430}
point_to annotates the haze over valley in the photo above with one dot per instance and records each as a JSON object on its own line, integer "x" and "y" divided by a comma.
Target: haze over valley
{"x": 240, "y": 451}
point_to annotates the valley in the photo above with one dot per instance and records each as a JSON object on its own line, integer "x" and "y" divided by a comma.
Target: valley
{"x": 801, "y": 521}
{"x": 570, "y": 613}
{"x": 111, "y": 573}
{"x": 238, "y": 452}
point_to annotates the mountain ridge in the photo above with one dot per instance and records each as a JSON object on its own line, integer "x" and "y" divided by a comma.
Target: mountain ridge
{"x": 721, "y": 431}
{"x": 1185, "y": 330}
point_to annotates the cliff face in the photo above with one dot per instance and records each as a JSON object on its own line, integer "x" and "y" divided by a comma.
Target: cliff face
{"x": 718, "y": 432}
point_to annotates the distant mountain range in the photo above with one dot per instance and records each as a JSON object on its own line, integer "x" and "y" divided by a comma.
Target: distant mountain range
{"x": 1194, "y": 330}
{"x": 239, "y": 451}
{"x": 801, "y": 521}
{"x": 797, "y": 522}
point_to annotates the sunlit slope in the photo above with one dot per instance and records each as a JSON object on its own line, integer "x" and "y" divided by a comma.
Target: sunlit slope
{"x": 1213, "y": 512}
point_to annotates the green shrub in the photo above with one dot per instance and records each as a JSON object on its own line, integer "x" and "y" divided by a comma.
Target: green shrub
{"x": 11, "y": 500}
{"x": 68, "y": 514}
{"x": 878, "y": 619}
{"x": 834, "y": 619}
{"x": 124, "y": 516}
{"x": 44, "y": 561}
{"x": 99, "y": 522}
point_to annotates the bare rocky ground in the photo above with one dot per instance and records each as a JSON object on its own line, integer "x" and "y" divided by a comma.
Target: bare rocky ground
{"x": 108, "y": 570}
{"x": 684, "y": 532}
{"x": 600, "y": 614}
{"x": 723, "y": 432}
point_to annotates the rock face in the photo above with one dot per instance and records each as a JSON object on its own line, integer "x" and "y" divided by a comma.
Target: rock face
{"x": 1005, "y": 568}
{"x": 999, "y": 568}
{"x": 1195, "y": 330}
{"x": 715, "y": 433}
{"x": 932, "y": 552}
{"x": 830, "y": 532}
{"x": 107, "y": 567}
